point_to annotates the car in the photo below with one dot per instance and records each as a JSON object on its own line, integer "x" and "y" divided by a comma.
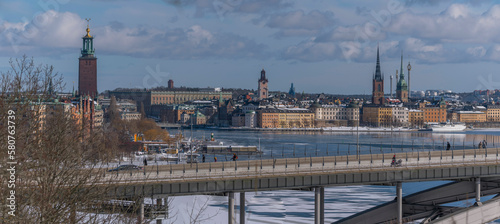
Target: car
{"x": 126, "y": 167}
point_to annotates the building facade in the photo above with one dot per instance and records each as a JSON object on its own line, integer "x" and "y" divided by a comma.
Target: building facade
{"x": 416, "y": 118}
{"x": 493, "y": 113}
{"x": 377, "y": 115}
{"x": 285, "y": 118}
{"x": 471, "y": 116}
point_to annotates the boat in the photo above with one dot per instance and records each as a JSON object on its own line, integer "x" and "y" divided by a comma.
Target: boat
{"x": 448, "y": 127}
{"x": 192, "y": 157}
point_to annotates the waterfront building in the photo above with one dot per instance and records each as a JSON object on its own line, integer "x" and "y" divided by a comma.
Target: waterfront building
{"x": 263, "y": 91}
{"x": 378, "y": 84}
{"x": 434, "y": 113}
{"x": 87, "y": 69}
{"x": 416, "y": 118}
{"x": 250, "y": 119}
{"x": 400, "y": 115}
{"x": 471, "y": 116}
{"x": 238, "y": 120}
{"x": 335, "y": 115}
{"x": 377, "y": 115}
{"x": 402, "y": 87}
{"x": 493, "y": 113}
{"x": 198, "y": 118}
{"x": 285, "y": 118}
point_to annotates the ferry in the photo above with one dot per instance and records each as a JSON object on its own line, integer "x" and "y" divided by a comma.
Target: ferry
{"x": 448, "y": 127}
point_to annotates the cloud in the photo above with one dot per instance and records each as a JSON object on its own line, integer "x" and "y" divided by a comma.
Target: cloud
{"x": 298, "y": 23}
{"x": 224, "y": 7}
{"x": 455, "y": 24}
{"x": 62, "y": 32}
{"x": 311, "y": 51}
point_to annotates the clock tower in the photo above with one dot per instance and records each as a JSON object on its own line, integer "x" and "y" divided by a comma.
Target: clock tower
{"x": 263, "y": 90}
{"x": 87, "y": 69}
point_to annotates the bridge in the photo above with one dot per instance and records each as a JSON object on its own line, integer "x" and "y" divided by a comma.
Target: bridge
{"x": 474, "y": 172}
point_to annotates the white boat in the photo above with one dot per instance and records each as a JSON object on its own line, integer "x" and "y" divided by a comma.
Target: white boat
{"x": 448, "y": 127}
{"x": 192, "y": 157}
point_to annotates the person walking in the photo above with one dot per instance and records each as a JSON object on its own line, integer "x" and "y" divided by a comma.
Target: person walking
{"x": 393, "y": 160}
{"x": 480, "y": 145}
{"x": 203, "y": 158}
{"x": 448, "y": 146}
{"x": 145, "y": 162}
{"x": 215, "y": 159}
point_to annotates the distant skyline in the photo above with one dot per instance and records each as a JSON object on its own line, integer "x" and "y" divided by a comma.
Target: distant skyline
{"x": 320, "y": 46}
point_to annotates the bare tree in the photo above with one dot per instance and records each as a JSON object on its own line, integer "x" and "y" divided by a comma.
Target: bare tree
{"x": 197, "y": 213}
{"x": 53, "y": 152}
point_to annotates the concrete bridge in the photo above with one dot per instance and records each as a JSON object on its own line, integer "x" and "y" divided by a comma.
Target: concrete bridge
{"x": 475, "y": 172}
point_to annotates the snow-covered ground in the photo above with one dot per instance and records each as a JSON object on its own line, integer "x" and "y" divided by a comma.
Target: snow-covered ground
{"x": 286, "y": 206}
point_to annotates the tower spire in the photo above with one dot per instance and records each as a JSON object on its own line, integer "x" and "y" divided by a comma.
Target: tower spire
{"x": 378, "y": 74}
{"x": 401, "y": 73}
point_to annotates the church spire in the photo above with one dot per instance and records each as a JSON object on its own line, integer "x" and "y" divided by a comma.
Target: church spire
{"x": 401, "y": 74}
{"x": 401, "y": 85}
{"x": 378, "y": 74}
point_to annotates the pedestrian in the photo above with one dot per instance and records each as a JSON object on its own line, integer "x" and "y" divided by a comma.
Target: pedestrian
{"x": 235, "y": 157}
{"x": 203, "y": 158}
{"x": 215, "y": 159}
{"x": 484, "y": 144}
{"x": 448, "y": 146}
{"x": 393, "y": 160}
{"x": 145, "y": 162}
{"x": 479, "y": 146}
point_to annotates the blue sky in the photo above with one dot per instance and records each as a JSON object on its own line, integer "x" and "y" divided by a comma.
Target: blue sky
{"x": 320, "y": 46}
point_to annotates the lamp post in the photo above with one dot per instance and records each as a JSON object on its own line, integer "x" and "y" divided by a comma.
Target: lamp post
{"x": 409, "y": 89}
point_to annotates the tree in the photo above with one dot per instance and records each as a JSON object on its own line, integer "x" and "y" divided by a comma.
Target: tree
{"x": 143, "y": 113}
{"x": 113, "y": 114}
{"x": 54, "y": 170}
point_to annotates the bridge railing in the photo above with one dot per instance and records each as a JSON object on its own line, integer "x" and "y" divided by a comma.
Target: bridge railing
{"x": 301, "y": 165}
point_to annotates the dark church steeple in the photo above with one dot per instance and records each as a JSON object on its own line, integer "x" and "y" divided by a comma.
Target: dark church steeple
{"x": 378, "y": 75}
{"x": 378, "y": 83}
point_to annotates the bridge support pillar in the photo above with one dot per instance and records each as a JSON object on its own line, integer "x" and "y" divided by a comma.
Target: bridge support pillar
{"x": 242, "y": 207}
{"x": 230, "y": 209}
{"x": 322, "y": 206}
{"x": 317, "y": 205}
{"x": 399, "y": 192}
{"x": 140, "y": 218}
{"x": 478, "y": 192}
{"x": 159, "y": 203}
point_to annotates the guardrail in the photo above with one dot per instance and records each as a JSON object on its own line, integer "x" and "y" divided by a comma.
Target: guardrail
{"x": 305, "y": 165}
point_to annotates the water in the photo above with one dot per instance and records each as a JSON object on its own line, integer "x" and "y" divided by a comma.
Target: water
{"x": 289, "y": 206}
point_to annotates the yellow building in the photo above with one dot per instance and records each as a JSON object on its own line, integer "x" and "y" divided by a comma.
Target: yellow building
{"x": 471, "y": 116}
{"x": 377, "y": 115}
{"x": 434, "y": 113}
{"x": 178, "y": 97}
{"x": 493, "y": 113}
{"x": 416, "y": 118}
{"x": 286, "y": 118}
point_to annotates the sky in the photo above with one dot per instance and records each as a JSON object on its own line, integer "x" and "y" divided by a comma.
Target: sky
{"x": 321, "y": 46}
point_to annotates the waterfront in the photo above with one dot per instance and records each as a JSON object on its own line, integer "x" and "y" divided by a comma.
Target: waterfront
{"x": 298, "y": 206}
